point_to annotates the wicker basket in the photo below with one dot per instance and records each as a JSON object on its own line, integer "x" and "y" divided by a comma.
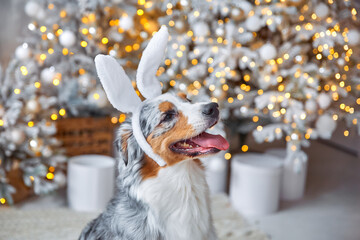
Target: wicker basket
{"x": 86, "y": 135}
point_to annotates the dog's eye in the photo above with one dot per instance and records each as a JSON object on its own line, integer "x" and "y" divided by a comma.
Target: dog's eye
{"x": 168, "y": 116}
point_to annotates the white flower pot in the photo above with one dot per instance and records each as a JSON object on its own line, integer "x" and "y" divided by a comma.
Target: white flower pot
{"x": 91, "y": 180}
{"x": 294, "y": 174}
{"x": 255, "y": 184}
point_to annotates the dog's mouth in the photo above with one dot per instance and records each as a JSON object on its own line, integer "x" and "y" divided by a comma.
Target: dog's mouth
{"x": 202, "y": 144}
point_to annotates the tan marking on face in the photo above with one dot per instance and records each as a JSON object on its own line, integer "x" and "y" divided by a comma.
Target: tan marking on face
{"x": 150, "y": 168}
{"x": 160, "y": 144}
{"x": 182, "y": 95}
{"x": 165, "y": 106}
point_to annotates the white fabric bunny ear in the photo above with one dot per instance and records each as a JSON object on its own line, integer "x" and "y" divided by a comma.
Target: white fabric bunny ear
{"x": 121, "y": 93}
{"x": 153, "y": 55}
{"x": 116, "y": 84}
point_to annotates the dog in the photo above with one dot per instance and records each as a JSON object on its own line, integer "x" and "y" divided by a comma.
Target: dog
{"x": 162, "y": 203}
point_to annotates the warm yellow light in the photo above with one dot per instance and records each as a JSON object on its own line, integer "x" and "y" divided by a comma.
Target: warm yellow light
{"x": 17, "y": 91}
{"x": 50, "y": 51}
{"x": 230, "y": 100}
{"x": 96, "y": 96}
{"x": 210, "y": 60}
{"x": 298, "y": 28}
{"x": 42, "y": 29}
{"x": 246, "y": 77}
{"x": 58, "y": 32}
{"x": 122, "y": 118}
{"x": 32, "y": 178}
{"x": 346, "y": 133}
{"x": 179, "y": 54}
{"x": 136, "y": 46}
{"x": 1, "y": 122}
{"x": 37, "y": 84}
{"x": 43, "y": 56}
{"x": 128, "y": 48}
{"x": 65, "y": 51}
{"x": 358, "y": 101}
{"x": 140, "y": 12}
{"x": 227, "y": 156}
{"x": 82, "y": 71}
{"x": 104, "y": 40}
{"x": 255, "y": 118}
{"x": 31, "y": 124}
{"x": 259, "y": 128}
{"x": 54, "y": 116}
{"x": 51, "y": 169}
{"x": 23, "y": 70}
{"x": 83, "y": 43}
{"x": 62, "y": 13}
{"x": 56, "y": 82}
{"x": 194, "y": 61}
{"x": 2, "y": 200}
{"x": 318, "y": 56}
{"x": 141, "y": 2}
{"x": 62, "y": 112}
{"x": 172, "y": 83}
{"x": 114, "y": 120}
{"x": 244, "y": 148}
{"x": 50, "y": 176}
{"x": 353, "y": 11}
{"x": 85, "y": 31}
{"x": 196, "y": 13}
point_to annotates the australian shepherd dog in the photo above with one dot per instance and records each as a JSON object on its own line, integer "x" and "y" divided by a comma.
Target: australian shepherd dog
{"x": 162, "y": 203}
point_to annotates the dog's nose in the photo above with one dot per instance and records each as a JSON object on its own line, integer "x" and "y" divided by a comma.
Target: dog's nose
{"x": 211, "y": 110}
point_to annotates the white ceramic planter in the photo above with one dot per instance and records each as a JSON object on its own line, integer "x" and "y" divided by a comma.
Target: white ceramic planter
{"x": 294, "y": 174}
{"x": 91, "y": 180}
{"x": 255, "y": 184}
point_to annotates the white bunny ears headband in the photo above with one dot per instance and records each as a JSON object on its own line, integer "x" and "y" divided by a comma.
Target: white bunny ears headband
{"x": 122, "y": 95}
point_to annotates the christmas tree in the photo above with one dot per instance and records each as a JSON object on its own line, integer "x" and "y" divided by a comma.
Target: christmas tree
{"x": 51, "y": 76}
{"x": 292, "y": 66}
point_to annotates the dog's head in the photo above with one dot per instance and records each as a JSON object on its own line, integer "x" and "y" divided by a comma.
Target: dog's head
{"x": 175, "y": 128}
{"x": 167, "y": 128}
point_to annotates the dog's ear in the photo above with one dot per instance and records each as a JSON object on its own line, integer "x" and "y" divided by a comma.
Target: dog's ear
{"x": 122, "y": 144}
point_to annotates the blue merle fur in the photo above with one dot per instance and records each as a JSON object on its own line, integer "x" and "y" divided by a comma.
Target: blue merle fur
{"x": 126, "y": 217}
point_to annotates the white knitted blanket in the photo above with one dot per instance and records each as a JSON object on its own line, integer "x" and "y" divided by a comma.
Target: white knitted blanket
{"x": 65, "y": 224}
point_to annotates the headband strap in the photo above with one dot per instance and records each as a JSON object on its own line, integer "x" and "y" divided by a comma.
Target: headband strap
{"x": 139, "y": 136}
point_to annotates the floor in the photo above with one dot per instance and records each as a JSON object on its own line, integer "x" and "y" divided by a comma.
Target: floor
{"x": 330, "y": 209}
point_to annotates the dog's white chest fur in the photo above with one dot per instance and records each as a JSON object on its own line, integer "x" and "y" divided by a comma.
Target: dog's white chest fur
{"x": 179, "y": 202}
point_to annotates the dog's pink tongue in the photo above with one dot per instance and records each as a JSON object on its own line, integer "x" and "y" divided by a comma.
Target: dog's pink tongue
{"x": 211, "y": 141}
